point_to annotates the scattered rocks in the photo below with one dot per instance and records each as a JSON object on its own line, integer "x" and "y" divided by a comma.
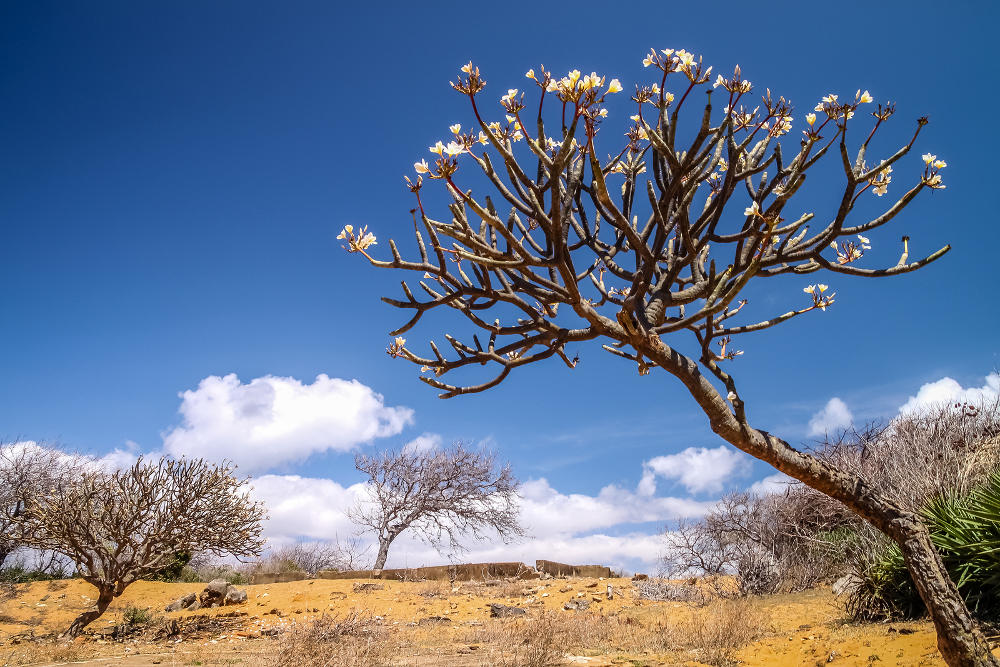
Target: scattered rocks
{"x": 576, "y": 605}
{"x": 367, "y": 586}
{"x": 503, "y": 611}
{"x": 188, "y": 603}
{"x": 433, "y": 620}
{"x": 235, "y": 596}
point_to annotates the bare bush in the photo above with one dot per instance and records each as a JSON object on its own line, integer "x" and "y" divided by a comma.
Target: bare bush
{"x": 768, "y": 544}
{"x": 120, "y": 527}
{"x": 795, "y": 539}
{"x": 442, "y": 495}
{"x": 27, "y": 469}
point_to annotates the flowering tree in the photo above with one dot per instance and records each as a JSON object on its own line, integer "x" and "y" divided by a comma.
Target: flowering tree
{"x": 655, "y": 243}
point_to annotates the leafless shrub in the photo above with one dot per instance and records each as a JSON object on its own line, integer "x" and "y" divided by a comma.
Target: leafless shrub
{"x": 665, "y": 590}
{"x": 311, "y": 557}
{"x": 442, "y": 495}
{"x": 761, "y": 541}
{"x": 122, "y": 526}
{"x": 27, "y": 469}
{"x": 352, "y": 641}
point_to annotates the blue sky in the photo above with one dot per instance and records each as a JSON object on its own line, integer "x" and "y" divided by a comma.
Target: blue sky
{"x": 174, "y": 176}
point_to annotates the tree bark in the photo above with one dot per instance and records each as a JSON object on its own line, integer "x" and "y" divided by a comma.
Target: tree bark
{"x": 960, "y": 640}
{"x": 104, "y": 597}
{"x": 383, "y": 553}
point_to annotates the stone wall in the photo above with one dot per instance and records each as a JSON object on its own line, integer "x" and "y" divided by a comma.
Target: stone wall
{"x": 461, "y": 572}
{"x": 563, "y": 570}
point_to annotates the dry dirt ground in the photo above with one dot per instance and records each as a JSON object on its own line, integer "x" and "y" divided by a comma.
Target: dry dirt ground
{"x": 432, "y": 623}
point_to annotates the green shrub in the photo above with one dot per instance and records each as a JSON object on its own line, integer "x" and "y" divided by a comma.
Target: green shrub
{"x": 966, "y": 532}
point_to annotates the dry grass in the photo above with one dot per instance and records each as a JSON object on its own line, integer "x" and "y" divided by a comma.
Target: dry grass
{"x": 42, "y": 651}
{"x": 352, "y": 641}
{"x": 715, "y": 633}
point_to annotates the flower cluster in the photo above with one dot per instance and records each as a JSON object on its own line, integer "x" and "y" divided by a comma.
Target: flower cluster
{"x": 576, "y": 87}
{"x": 880, "y": 181}
{"x": 820, "y": 299}
{"x": 735, "y": 84}
{"x": 932, "y": 166}
{"x": 395, "y": 348}
{"x": 472, "y": 83}
{"x": 849, "y": 251}
{"x": 830, "y": 105}
{"x": 670, "y": 60}
{"x": 359, "y": 243}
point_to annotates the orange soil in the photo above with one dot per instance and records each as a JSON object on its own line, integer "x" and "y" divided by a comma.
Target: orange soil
{"x": 806, "y": 628}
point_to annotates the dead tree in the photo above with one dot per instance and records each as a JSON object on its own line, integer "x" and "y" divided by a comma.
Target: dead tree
{"x": 655, "y": 243}
{"x": 442, "y": 495}
{"x": 26, "y": 469}
{"x": 120, "y": 527}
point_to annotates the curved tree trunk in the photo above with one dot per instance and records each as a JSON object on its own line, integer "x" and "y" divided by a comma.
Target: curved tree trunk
{"x": 960, "y": 640}
{"x": 104, "y": 598}
{"x": 383, "y": 553}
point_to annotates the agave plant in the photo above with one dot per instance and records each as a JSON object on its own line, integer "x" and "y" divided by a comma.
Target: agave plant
{"x": 966, "y": 531}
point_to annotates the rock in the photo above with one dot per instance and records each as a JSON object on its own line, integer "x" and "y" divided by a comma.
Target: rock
{"x": 189, "y": 601}
{"x": 640, "y": 577}
{"x": 576, "y": 605}
{"x": 503, "y": 611}
{"x": 565, "y": 589}
{"x": 214, "y": 593}
{"x": 234, "y": 596}
{"x": 434, "y": 620}
{"x": 846, "y": 585}
{"x": 367, "y": 586}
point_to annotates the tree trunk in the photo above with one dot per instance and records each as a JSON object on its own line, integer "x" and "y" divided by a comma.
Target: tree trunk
{"x": 104, "y": 597}
{"x": 961, "y": 642}
{"x": 383, "y": 553}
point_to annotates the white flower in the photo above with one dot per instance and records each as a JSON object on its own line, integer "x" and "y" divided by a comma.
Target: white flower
{"x": 615, "y": 86}
{"x": 811, "y": 119}
{"x": 437, "y": 148}
{"x": 530, "y": 74}
{"x": 809, "y": 290}
{"x": 347, "y": 230}
{"x": 928, "y": 158}
{"x": 731, "y": 396}
{"x": 421, "y": 167}
{"x": 686, "y": 59}
{"x": 752, "y": 210}
{"x": 467, "y": 68}
{"x": 456, "y": 128}
{"x": 939, "y": 164}
{"x": 719, "y": 81}
{"x": 453, "y": 149}
{"x": 863, "y": 98}
{"x": 509, "y": 97}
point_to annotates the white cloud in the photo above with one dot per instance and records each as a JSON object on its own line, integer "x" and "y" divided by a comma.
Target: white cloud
{"x": 833, "y": 417}
{"x": 424, "y": 442}
{"x": 776, "y": 483}
{"x": 560, "y": 526}
{"x": 946, "y": 390}
{"x": 271, "y": 421}
{"x": 699, "y": 469}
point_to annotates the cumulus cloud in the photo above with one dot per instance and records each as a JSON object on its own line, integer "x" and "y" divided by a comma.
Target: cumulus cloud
{"x": 271, "y": 421}
{"x": 424, "y": 442}
{"x": 698, "y": 469}
{"x": 946, "y": 390}
{"x": 559, "y": 525}
{"x": 776, "y": 483}
{"x": 833, "y": 417}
